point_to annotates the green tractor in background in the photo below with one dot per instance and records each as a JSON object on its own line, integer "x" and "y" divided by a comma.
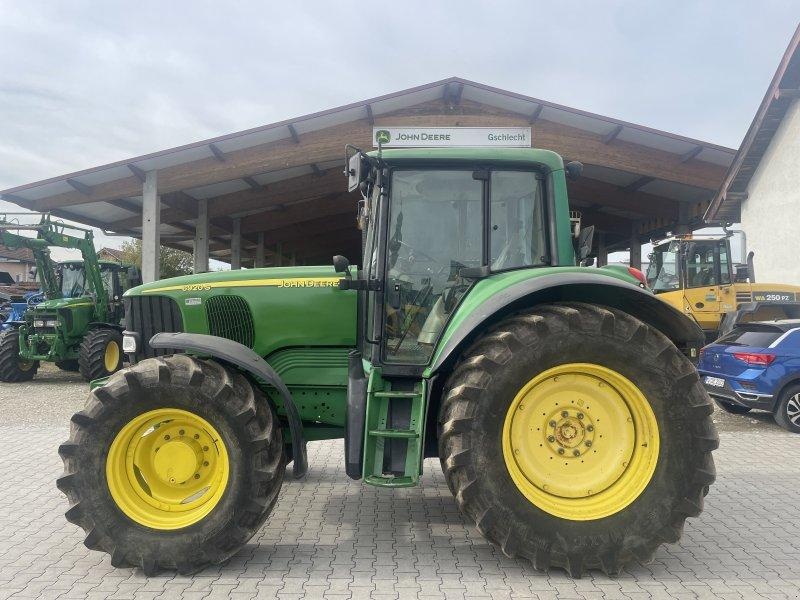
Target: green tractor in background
{"x": 562, "y": 401}
{"x": 78, "y": 325}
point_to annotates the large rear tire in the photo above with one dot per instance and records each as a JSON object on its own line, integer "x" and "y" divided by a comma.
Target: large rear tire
{"x": 578, "y": 437}
{"x": 175, "y": 463}
{"x": 14, "y": 369}
{"x": 100, "y": 353}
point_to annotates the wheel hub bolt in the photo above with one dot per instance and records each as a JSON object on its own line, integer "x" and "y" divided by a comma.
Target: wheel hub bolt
{"x": 181, "y": 432}
{"x": 551, "y": 438}
{"x": 588, "y": 443}
{"x": 564, "y": 414}
{"x": 552, "y": 423}
{"x": 205, "y": 448}
{"x": 561, "y": 451}
{"x": 197, "y": 436}
{"x": 589, "y": 428}
{"x": 580, "y": 415}
{"x": 576, "y": 452}
{"x": 166, "y": 437}
{"x": 197, "y": 475}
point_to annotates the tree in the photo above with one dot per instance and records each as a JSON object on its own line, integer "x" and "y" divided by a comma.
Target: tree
{"x": 173, "y": 262}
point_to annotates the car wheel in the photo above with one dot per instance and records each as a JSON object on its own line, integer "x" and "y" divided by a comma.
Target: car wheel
{"x": 787, "y": 414}
{"x": 730, "y": 407}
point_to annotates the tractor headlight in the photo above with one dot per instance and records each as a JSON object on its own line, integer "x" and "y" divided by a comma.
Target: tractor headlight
{"x": 42, "y": 323}
{"x": 129, "y": 344}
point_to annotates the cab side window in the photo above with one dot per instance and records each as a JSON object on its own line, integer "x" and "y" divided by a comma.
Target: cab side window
{"x": 700, "y": 269}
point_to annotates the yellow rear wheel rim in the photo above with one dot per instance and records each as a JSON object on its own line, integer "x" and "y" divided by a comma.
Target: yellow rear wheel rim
{"x": 167, "y": 468}
{"x": 111, "y": 358}
{"x": 580, "y": 441}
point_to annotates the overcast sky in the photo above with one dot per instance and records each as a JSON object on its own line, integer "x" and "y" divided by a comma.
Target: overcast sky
{"x": 84, "y": 83}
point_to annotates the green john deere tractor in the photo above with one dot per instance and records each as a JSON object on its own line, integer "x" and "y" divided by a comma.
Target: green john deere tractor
{"x": 561, "y": 400}
{"x": 78, "y": 325}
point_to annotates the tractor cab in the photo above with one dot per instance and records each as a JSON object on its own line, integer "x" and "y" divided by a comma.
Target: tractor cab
{"x": 432, "y": 230}
{"x": 116, "y": 280}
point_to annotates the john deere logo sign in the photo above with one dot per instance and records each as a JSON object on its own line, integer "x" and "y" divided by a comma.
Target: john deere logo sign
{"x": 464, "y": 137}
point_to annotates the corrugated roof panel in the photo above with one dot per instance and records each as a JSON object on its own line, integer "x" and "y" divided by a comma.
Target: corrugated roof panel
{"x": 388, "y": 105}
{"x": 510, "y": 103}
{"x": 606, "y": 175}
{"x": 99, "y": 211}
{"x": 330, "y": 120}
{"x": 718, "y": 157}
{"x": 217, "y": 189}
{"x": 273, "y": 176}
{"x": 676, "y": 191}
{"x": 576, "y": 120}
{"x": 104, "y": 175}
{"x": 653, "y": 140}
{"x": 174, "y": 158}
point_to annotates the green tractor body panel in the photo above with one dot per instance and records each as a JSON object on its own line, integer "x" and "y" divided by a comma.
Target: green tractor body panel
{"x": 486, "y": 289}
{"x": 53, "y": 329}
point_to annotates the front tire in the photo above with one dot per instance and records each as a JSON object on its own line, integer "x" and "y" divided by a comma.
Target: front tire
{"x": 100, "y": 353}
{"x": 175, "y": 463}
{"x": 563, "y": 375}
{"x": 14, "y": 369}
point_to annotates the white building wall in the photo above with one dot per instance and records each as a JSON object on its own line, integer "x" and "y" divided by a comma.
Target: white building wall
{"x": 771, "y": 213}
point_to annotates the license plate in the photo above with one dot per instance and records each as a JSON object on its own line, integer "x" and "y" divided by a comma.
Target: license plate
{"x": 715, "y": 382}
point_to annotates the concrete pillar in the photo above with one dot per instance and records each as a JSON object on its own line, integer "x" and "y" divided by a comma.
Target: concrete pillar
{"x": 201, "y": 237}
{"x": 236, "y": 244}
{"x": 260, "y": 253}
{"x": 151, "y": 228}
{"x": 602, "y": 250}
{"x": 636, "y": 249}
{"x": 278, "y": 254}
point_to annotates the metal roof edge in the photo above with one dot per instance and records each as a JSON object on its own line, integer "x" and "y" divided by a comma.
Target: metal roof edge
{"x": 360, "y": 103}
{"x": 717, "y": 203}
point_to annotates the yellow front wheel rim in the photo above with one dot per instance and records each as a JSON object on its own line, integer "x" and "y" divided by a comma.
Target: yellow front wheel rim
{"x": 167, "y": 468}
{"x": 580, "y": 441}
{"x": 111, "y": 358}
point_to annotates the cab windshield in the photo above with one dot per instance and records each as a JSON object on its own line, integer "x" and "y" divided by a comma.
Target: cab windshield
{"x": 662, "y": 272}
{"x": 437, "y": 230}
{"x": 74, "y": 283}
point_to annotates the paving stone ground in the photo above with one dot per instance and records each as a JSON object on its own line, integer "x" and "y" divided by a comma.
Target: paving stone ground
{"x": 330, "y": 537}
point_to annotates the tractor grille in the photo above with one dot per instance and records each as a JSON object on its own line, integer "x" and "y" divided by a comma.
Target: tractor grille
{"x": 743, "y": 297}
{"x": 230, "y": 317}
{"x": 149, "y": 315}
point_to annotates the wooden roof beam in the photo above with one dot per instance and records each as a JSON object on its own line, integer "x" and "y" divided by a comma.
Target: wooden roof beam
{"x": 254, "y": 185}
{"x": 537, "y": 112}
{"x": 370, "y": 116}
{"x": 612, "y": 135}
{"x": 790, "y": 93}
{"x": 293, "y": 133}
{"x": 137, "y": 172}
{"x": 452, "y": 94}
{"x": 691, "y": 154}
{"x": 218, "y": 154}
{"x": 76, "y": 185}
{"x": 638, "y": 184}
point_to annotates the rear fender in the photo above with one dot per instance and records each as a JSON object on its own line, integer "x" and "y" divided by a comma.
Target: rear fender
{"x": 592, "y": 288}
{"x": 243, "y": 357}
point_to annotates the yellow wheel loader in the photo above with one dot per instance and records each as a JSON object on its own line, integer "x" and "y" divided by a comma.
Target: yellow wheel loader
{"x": 697, "y": 275}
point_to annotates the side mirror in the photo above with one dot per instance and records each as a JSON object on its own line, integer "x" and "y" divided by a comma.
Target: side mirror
{"x": 354, "y": 169}
{"x": 573, "y": 169}
{"x": 134, "y": 276}
{"x": 585, "y": 239}
{"x": 341, "y": 265}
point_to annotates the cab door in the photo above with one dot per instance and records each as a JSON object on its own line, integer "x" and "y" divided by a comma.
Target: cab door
{"x": 702, "y": 290}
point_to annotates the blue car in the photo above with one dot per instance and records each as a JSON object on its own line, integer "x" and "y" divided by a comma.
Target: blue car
{"x": 757, "y": 365}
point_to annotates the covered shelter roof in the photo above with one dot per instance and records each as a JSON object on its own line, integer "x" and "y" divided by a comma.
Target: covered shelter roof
{"x": 783, "y": 90}
{"x": 281, "y": 184}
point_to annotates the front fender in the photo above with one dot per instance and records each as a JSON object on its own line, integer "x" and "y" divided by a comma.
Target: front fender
{"x": 592, "y": 288}
{"x": 244, "y": 358}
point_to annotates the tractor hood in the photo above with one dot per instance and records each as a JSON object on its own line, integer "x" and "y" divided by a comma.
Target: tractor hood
{"x": 60, "y": 303}
{"x": 322, "y": 276}
{"x": 263, "y": 309}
